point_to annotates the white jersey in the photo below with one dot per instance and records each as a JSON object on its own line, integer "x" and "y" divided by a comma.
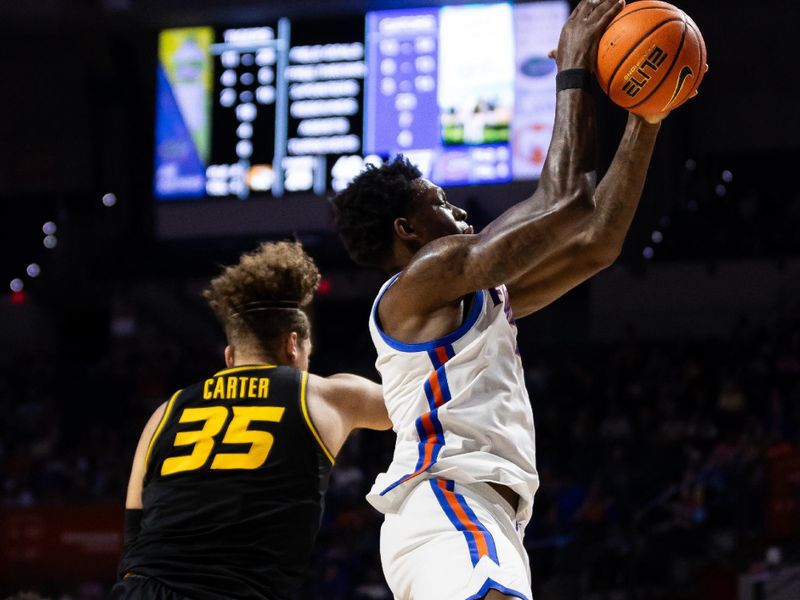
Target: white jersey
{"x": 458, "y": 405}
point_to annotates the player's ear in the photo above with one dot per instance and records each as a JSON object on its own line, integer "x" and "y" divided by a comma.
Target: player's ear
{"x": 291, "y": 347}
{"x": 404, "y": 229}
{"x": 229, "y": 356}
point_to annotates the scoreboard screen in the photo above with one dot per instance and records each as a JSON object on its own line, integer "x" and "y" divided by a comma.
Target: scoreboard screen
{"x": 258, "y": 110}
{"x": 298, "y": 107}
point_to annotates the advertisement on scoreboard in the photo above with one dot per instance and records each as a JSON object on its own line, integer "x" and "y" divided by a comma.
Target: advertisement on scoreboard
{"x": 183, "y": 128}
{"x": 536, "y": 30}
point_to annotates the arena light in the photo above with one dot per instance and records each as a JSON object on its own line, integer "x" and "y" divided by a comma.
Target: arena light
{"x": 727, "y": 176}
{"x": 657, "y": 237}
{"x": 49, "y": 228}
{"x": 33, "y": 270}
{"x": 109, "y": 200}
{"x": 648, "y": 253}
{"x": 691, "y": 164}
{"x": 50, "y": 242}
{"x": 325, "y": 286}
{"x": 17, "y": 285}
{"x": 720, "y": 190}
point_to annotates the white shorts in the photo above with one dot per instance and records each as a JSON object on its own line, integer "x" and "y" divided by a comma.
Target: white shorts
{"x": 450, "y": 541}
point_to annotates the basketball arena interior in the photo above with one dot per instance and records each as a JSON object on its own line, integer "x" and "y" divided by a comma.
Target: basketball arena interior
{"x": 665, "y": 390}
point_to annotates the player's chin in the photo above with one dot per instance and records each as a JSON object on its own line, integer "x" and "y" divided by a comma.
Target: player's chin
{"x": 467, "y": 230}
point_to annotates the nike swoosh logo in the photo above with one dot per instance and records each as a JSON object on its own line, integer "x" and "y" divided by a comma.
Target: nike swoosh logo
{"x": 685, "y": 73}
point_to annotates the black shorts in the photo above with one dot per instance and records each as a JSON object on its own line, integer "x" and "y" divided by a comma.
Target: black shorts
{"x": 137, "y": 587}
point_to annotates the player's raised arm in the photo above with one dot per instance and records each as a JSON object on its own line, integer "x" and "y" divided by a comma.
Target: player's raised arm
{"x": 451, "y": 267}
{"x": 599, "y": 244}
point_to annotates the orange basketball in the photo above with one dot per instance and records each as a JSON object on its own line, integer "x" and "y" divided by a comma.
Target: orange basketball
{"x": 652, "y": 58}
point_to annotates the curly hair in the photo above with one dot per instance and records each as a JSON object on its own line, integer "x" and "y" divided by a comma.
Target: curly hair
{"x": 365, "y": 211}
{"x": 276, "y": 272}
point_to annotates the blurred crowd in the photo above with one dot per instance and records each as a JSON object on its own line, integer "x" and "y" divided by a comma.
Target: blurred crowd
{"x": 655, "y": 458}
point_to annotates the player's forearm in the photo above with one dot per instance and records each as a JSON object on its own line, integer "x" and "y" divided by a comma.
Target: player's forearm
{"x": 529, "y": 232}
{"x": 618, "y": 194}
{"x": 571, "y": 157}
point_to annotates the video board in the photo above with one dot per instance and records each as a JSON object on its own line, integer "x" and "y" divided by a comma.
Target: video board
{"x": 298, "y": 107}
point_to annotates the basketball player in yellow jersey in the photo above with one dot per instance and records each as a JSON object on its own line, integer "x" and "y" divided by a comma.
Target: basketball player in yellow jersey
{"x": 459, "y": 491}
{"x": 226, "y": 490}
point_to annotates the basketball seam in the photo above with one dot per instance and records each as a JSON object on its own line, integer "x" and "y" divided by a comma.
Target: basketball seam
{"x": 702, "y": 59}
{"x": 633, "y": 49}
{"x": 628, "y": 14}
{"x": 671, "y": 66}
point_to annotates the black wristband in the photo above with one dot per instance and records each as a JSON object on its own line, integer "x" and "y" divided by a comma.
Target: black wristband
{"x": 568, "y": 79}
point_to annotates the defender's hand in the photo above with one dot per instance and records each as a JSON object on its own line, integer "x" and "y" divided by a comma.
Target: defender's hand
{"x": 577, "y": 46}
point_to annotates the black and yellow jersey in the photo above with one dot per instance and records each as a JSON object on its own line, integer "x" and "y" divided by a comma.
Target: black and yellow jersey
{"x": 233, "y": 489}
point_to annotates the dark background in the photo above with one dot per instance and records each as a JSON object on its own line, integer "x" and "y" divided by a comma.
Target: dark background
{"x": 665, "y": 390}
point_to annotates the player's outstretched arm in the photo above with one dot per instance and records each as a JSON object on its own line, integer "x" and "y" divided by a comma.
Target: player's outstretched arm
{"x": 525, "y": 235}
{"x": 343, "y": 402}
{"x": 599, "y": 244}
{"x": 133, "y": 500}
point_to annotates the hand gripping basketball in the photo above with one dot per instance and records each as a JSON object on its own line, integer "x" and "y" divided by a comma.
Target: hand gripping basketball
{"x": 577, "y": 45}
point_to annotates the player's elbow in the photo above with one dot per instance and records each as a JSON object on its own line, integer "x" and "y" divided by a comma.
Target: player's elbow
{"x": 598, "y": 251}
{"x": 577, "y": 202}
{"x": 573, "y": 194}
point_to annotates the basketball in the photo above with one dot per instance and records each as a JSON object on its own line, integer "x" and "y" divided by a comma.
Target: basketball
{"x": 652, "y": 58}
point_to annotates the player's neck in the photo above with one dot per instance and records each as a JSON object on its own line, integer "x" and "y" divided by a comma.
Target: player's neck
{"x": 252, "y": 359}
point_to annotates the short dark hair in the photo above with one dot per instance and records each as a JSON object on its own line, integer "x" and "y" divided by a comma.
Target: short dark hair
{"x": 365, "y": 211}
{"x": 275, "y": 275}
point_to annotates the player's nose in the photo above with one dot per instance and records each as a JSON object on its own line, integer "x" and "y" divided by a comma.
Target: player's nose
{"x": 459, "y": 213}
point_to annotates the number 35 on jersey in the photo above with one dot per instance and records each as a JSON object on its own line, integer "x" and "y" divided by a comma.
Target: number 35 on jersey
{"x": 204, "y": 441}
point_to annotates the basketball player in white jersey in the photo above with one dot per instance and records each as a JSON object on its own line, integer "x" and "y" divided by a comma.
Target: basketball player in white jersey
{"x": 459, "y": 491}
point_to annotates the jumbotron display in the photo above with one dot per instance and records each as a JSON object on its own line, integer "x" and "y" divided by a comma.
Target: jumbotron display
{"x": 288, "y": 107}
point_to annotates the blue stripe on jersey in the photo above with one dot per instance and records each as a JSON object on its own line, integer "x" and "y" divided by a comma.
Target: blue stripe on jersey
{"x": 433, "y": 414}
{"x": 472, "y": 517}
{"x": 443, "y": 384}
{"x": 491, "y": 584}
{"x": 436, "y": 360}
{"x": 429, "y": 394}
{"x": 437, "y": 426}
{"x": 468, "y": 535}
{"x": 436, "y": 449}
{"x": 450, "y": 338}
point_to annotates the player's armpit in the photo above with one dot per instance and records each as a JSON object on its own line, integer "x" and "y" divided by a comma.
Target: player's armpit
{"x": 134, "y": 496}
